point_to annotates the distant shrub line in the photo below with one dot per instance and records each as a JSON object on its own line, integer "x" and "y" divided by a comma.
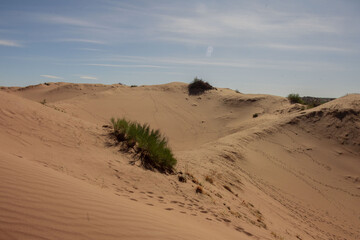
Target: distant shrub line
{"x": 295, "y": 98}
{"x": 150, "y": 144}
{"x": 309, "y": 101}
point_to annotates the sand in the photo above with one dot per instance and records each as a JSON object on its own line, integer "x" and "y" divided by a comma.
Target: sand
{"x": 289, "y": 173}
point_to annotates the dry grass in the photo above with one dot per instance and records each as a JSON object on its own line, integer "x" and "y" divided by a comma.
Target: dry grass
{"x": 209, "y": 179}
{"x": 199, "y": 189}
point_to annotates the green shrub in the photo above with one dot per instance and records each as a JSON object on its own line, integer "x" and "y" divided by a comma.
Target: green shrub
{"x": 295, "y": 98}
{"x": 148, "y": 143}
{"x": 198, "y": 86}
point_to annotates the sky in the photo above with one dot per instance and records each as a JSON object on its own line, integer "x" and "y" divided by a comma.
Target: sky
{"x": 310, "y": 47}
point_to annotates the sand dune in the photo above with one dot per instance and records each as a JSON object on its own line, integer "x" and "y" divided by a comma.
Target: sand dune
{"x": 39, "y": 203}
{"x": 286, "y": 174}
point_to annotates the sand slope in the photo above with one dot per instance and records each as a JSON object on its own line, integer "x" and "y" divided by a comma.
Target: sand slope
{"x": 39, "y": 203}
{"x": 286, "y": 174}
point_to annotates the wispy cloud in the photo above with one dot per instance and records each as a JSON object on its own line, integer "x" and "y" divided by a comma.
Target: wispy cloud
{"x": 302, "y": 47}
{"x": 71, "y": 21}
{"x": 215, "y": 24}
{"x": 125, "y": 65}
{"x": 88, "y": 77}
{"x": 9, "y": 43}
{"x": 51, "y": 76}
{"x": 89, "y": 49}
{"x": 80, "y": 40}
{"x": 168, "y": 62}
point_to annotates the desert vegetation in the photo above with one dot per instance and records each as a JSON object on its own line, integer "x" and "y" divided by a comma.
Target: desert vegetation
{"x": 149, "y": 144}
{"x": 198, "y": 86}
{"x": 295, "y": 98}
{"x": 315, "y": 101}
{"x": 199, "y": 189}
{"x": 209, "y": 179}
{"x": 309, "y": 101}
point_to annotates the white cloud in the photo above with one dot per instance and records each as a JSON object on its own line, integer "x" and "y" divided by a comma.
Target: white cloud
{"x": 217, "y": 27}
{"x": 88, "y": 77}
{"x": 143, "y": 62}
{"x": 64, "y": 20}
{"x": 125, "y": 65}
{"x": 9, "y": 43}
{"x": 81, "y": 40}
{"x": 51, "y": 76}
{"x": 225, "y": 24}
{"x": 302, "y": 47}
{"x": 89, "y": 49}
{"x": 209, "y": 51}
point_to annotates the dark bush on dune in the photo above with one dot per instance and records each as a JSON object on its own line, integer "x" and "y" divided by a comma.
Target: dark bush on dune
{"x": 151, "y": 146}
{"x": 295, "y": 98}
{"x": 198, "y": 86}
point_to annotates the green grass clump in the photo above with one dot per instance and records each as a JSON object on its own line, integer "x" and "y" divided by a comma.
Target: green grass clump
{"x": 148, "y": 143}
{"x": 295, "y": 98}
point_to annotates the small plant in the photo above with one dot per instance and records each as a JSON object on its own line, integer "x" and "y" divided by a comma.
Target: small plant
{"x": 198, "y": 86}
{"x": 295, "y": 98}
{"x": 43, "y": 102}
{"x": 209, "y": 179}
{"x": 199, "y": 189}
{"x": 151, "y": 146}
{"x": 182, "y": 178}
{"x": 133, "y": 86}
{"x": 255, "y": 115}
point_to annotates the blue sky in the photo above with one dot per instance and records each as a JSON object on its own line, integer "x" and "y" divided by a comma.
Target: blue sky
{"x": 310, "y": 47}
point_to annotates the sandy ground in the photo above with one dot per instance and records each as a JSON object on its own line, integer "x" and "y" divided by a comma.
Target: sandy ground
{"x": 289, "y": 173}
